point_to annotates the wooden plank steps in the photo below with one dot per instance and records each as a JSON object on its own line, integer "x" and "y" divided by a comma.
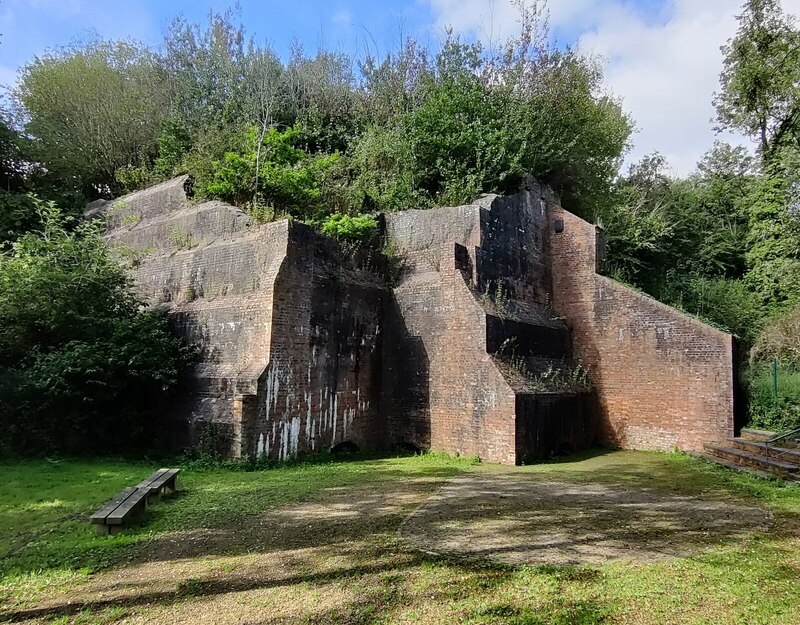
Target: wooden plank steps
{"x": 781, "y": 453}
{"x": 133, "y": 501}
{"x": 735, "y": 466}
{"x": 733, "y": 452}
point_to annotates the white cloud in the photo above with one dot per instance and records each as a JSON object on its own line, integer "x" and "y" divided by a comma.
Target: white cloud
{"x": 343, "y": 17}
{"x": 664, "y": 65}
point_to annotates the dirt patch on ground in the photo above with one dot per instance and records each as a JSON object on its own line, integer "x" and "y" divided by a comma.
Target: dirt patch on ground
{"x": 337, "y": 557}
{"x": 524, "y": 518}
{"x": 263, "y": 570}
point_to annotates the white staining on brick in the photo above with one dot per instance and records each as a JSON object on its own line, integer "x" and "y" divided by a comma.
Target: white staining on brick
{"x": 335, "y": 408}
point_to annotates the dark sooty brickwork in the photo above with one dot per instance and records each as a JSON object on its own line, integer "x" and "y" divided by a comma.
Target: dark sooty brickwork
{"x": 470, "y": 352}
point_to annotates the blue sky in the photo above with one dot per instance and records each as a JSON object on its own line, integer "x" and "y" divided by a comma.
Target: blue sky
{"x": 31, "y": 26}
{"x": 661, "y": 57}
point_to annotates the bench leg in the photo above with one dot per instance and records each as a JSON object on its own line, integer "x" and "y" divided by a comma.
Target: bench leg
{"x": 102, "y": 528}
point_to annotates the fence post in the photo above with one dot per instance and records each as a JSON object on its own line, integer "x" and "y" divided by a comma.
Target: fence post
{"x": 775, "y": 380}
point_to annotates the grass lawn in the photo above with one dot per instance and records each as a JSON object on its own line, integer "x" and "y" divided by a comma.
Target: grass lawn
{"x": 318, "y": 543}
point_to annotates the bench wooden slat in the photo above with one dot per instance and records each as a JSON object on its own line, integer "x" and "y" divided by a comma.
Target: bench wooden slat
{"x": 147, "y": 483}
{"x": 116, "y": 512}
{"x": 138, "y": 498}
{"x": 168, "y": 476}
{"x": 109, "y": 507}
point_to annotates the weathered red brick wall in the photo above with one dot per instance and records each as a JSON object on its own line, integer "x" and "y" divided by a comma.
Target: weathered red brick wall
{"x": 300, "y": 353}
{"x": 289, "y": 356}
{"x": 442, "y": 390}
{"x": 473, "y": 407}
{"x": 322, "y": 384}
{"x": 664, "y": 380}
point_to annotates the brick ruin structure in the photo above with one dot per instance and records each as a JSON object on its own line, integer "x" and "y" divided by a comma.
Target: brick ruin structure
{"x": 472, "y": 349}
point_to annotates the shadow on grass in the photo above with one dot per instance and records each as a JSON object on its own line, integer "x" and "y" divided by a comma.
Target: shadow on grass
{"x": 348, "y": 510}
{"x": 592, "y": 508}
{"x": 216, "y": 502}
{"x": 382, "y": 588}
{"x": 198, "y": 588}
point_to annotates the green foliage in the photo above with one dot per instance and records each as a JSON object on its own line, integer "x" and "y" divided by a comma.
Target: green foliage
{"x": 270, "y": 171}
{"x": 132, "y": 178}
{"x": 476, "y": 123}
{"x": 565, "y": 377}
{"x": 773, "y": 254}
{"x": 761, "y": 77}
{"x": 383, "y": 172}
{"x": 12, "y": 158}
{"x": 658, "y": 227}
{"x": 17, "y": 208}
{"x": 768, "y": 411}
{"x": 80, "y": 367}
{"x": 173, "y": 142}
{"x": 638, "y": 227}
{"x": 17, "y": 215}
{"x": 779, "y": 339}
{"x": 92, "y": 110}
{"x": 206, "y": 73}
{"x": 418, "y": 128}
{"x": 362, "y": 228}
{"x": 725, "y": 303}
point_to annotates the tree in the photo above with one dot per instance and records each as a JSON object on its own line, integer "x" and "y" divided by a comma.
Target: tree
{"x": 773, "y": 245}
{"x": 760, "y": 81}
{"x": 206, "y": 69}
{"x": 81, "y": 368}
{"x": 92, "y": 110}
{"x": 478, "y": 123}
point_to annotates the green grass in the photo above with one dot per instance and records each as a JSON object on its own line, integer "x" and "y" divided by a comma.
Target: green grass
{"x": 366, "y": 575}
{"x": 46, "y": 540}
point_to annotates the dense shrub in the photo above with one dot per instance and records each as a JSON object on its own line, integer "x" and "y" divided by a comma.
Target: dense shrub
{"x": 478, "y": 123}
{"x": 269, "y": 170}
{"x": 81, "y": 368}
{"x": 767, "y": 411}
{"x": 92, "y": 109}
{"x": 725, "y": 303}
{"x": 777, "y": 345}
{"x": 362, "y": 228}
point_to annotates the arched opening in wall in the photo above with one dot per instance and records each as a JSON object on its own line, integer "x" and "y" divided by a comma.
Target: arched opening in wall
{"x": 564, "y": 449}
{"x": 345, "y": 447}
{"x": 407, "y": 447}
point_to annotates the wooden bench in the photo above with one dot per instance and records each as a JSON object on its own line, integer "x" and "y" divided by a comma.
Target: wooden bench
{"x": 163, "y": 480}
{"x": 128, "y": 503}
{"x": 132, "y": 502}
